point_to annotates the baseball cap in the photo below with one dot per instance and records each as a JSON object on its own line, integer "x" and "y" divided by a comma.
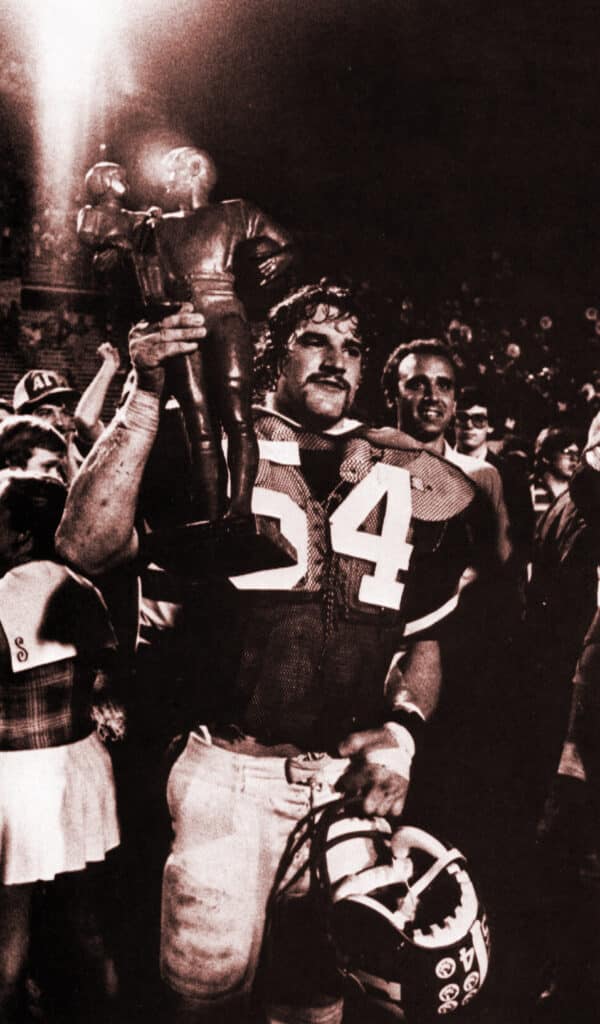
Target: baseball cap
{"x": 38, "y": 386}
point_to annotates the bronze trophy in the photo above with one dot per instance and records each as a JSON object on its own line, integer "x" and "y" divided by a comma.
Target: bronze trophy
{"x": 188, "y": 256}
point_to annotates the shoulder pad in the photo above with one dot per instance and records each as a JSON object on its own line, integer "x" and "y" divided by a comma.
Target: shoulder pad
{"x": 389, "y": 437}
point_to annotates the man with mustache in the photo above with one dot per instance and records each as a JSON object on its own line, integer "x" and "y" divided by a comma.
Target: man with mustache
{"x": 296, "y": 677}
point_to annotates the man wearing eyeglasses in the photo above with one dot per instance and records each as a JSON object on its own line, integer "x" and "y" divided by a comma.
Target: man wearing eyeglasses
{"x": 473, "y": 430}
{"x": 472, "y": 425}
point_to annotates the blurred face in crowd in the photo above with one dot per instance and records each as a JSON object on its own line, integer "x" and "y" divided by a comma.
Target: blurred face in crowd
{"x": 47, "y": 463}
{"x": 472, "y": 428}
{"x": 322, "y": 370}
{"x": 564, "y": 462}
{"x": 57, "y": 414}
{"x": 425, "y": 402}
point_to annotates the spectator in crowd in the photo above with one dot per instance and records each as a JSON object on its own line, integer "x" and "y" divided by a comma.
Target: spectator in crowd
{"x": 570, "y": 830}
{"x": 48, "y": 394}
{"x": 473, "y": 430}
{"x": 419, "y": 383}
{"x": 31, "y": 444}
{"x": 561, "y": 602}
{"x": 57, "y": 796}
{"x": 478, "y": 643}
{"x": 557, "y": 455}
{"x": 88, "y": 412}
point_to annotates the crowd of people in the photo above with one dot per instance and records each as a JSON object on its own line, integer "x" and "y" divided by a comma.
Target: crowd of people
{"x": 220, "y": 784}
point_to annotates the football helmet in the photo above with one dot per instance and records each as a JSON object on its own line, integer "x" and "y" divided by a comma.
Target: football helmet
{"x": 402, "y": 913}
{"x": 107, "y": 180}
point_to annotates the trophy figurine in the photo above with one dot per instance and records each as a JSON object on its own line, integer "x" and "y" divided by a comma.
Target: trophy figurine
{"x": 188, "y": 255}
{"x": 117, "y": 234}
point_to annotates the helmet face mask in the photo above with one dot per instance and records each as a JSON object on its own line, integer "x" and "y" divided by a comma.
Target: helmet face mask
{"x": 107, "y": 180}
{"x": 403, "y": 916}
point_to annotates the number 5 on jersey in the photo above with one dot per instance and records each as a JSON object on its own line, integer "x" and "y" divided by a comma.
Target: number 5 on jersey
{"x": 388, "y": 551}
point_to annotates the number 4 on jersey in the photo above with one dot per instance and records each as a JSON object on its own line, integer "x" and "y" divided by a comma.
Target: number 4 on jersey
{"x": 388, "y": 551}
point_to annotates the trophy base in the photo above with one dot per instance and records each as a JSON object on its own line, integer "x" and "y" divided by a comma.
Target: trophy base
{"x": 223, "y": 547}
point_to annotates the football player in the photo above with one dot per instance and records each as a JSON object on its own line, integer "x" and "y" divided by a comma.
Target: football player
{"x": 310, "y": 695}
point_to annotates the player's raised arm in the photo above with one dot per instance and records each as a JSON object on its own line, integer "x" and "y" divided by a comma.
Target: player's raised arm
{"x": 97, "y": 530}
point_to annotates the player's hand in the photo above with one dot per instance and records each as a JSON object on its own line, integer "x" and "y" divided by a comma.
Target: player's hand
{"x": 109, "y": 355}
{"x": 110, "y": 719}
{"x": 151, "y": 345}
{"x": 378, "y": 774}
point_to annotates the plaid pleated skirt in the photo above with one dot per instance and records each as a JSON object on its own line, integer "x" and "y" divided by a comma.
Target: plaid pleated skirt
{"x": 57, "y": 810}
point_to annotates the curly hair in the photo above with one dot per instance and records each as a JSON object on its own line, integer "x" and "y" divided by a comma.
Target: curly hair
{"x": 301, "y": 305}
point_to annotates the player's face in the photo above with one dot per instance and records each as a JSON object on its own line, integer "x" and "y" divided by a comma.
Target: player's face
{"x": 472, "y": 427}
{"x": 426, "y": 402}
{"x": 322, "y": 371}
{"x": 48, "y": 463}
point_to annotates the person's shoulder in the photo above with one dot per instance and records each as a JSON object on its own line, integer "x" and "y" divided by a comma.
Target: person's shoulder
{"x": 493, "y": 459}
{"x": 268, "y": 423}
{"x": 439, "y": 489}
{"x": 483, "y": 473}
{"x": 467, "y": 463}
{"x": 390, "y": 437}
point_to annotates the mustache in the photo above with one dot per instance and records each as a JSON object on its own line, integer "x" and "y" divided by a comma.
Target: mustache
{"x": 328, "y": 378}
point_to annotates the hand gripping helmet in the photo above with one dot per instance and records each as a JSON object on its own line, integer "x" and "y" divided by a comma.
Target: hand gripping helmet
{"x": 402, "y": 914}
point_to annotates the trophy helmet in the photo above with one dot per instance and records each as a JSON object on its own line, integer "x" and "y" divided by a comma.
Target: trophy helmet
{"x": 189, "y": 169}
{"x": 106, "y": 180}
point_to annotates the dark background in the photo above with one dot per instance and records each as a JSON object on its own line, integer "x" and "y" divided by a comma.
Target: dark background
{"x": 417, "y": 135}
{"x": 434, "y": 131}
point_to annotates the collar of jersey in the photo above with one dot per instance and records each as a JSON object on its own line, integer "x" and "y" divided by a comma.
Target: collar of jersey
{"x": 343, "y": 426}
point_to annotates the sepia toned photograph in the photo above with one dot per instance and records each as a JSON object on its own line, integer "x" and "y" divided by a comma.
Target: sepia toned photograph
{"x": 299, "y": 512}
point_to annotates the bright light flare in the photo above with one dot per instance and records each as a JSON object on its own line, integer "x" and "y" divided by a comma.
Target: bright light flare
{"x": 147, "y": 162}
{"x": 79, "y": 68}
